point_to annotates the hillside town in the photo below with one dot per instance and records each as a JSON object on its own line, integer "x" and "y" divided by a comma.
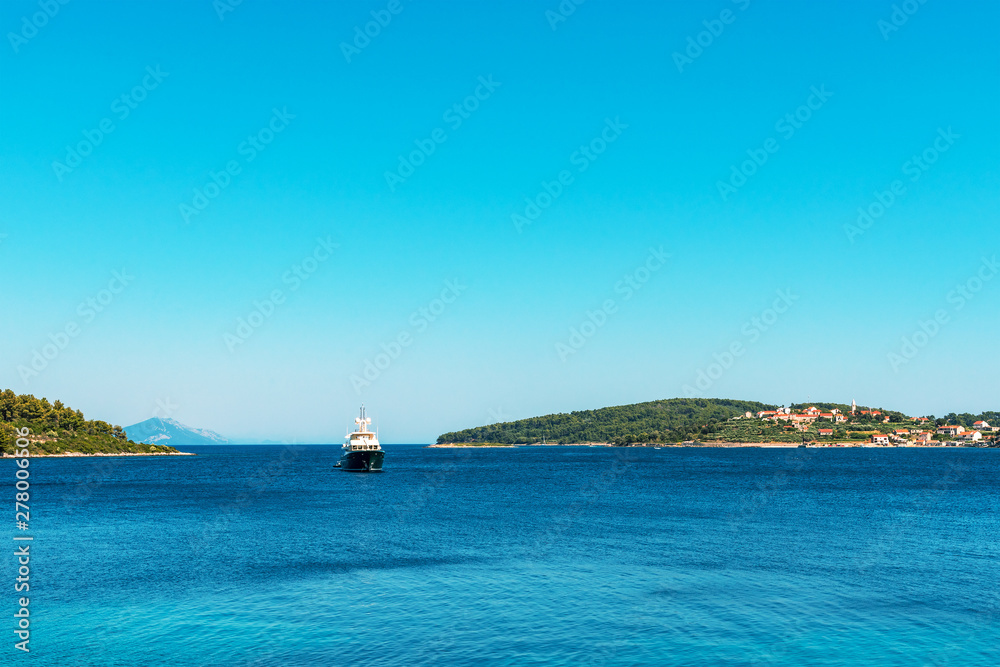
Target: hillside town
{"x": 868, "y": 428}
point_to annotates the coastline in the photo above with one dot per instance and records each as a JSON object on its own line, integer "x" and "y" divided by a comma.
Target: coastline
{"x": 769, "y": 445}
{"x": 459, "y": 445}
{"x": 104, "y": 454}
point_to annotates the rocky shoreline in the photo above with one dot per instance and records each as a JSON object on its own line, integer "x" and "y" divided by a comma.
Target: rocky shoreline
{"x": 81, "y": 454}
{"x": 458, "y": 445}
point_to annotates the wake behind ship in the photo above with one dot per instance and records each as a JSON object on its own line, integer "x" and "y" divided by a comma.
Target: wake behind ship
{"x": 362, "y": 453}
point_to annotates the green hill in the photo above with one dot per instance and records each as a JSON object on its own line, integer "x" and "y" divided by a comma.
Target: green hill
{"x": 672, "y": 420}
{"x": 57, "y": 429}
{"x": 704, "y": 420}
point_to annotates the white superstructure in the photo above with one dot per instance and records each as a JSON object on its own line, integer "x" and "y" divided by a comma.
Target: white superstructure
{"x": 362, "y": 439}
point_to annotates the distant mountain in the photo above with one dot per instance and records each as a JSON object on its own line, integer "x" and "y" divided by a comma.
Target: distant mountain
{"x": 56, "y": 429}
{"x": 171, "y": 432}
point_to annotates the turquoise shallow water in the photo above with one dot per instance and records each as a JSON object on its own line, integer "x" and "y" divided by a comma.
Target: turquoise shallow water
{"x": 534, "y": 556}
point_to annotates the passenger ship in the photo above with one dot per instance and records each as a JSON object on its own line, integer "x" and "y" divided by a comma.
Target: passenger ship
{"x": 362, "y": 453}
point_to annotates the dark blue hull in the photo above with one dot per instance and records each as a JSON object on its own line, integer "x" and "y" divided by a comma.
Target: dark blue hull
{"x": 367, "y": 461}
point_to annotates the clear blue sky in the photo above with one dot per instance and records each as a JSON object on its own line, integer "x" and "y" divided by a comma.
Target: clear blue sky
{"x": 672, "y": 131}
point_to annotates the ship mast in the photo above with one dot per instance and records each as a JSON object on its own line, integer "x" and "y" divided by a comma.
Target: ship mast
{"x": 363, "y": 421}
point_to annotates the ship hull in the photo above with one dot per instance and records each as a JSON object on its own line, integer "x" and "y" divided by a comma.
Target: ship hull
{"x": 365, "y": 461}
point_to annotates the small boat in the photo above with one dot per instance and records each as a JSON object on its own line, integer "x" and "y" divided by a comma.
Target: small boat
{"x": 362, "y": 453}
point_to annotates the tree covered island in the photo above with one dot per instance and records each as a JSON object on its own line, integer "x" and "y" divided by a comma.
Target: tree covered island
{"x": 57, "y": 430}
{"x": 729, "y": 422}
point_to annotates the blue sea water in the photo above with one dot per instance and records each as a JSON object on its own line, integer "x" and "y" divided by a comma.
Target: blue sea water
{"x": 267, "y": 555}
